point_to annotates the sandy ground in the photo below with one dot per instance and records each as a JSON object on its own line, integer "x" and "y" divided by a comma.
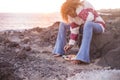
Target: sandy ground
{"x": 32, "y": 59}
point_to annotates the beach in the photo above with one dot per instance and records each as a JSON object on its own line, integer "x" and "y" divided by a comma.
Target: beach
{"x": 27, "y": 41}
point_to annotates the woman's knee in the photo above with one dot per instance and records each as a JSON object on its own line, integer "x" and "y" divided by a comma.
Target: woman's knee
{"x": 88, "y": 24}
{"x": 63, "y": 26}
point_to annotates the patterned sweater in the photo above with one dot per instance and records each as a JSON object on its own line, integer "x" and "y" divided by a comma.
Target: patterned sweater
{"x": 84, "y": 13}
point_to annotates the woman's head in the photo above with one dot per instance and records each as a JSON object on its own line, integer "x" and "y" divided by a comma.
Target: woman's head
{"x": 69, "y": 8}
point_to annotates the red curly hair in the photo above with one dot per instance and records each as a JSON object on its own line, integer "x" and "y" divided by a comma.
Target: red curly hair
{"x": 69, "y": 8}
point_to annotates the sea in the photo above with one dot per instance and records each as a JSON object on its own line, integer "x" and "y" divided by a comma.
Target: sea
{"x": 21, "y": 21}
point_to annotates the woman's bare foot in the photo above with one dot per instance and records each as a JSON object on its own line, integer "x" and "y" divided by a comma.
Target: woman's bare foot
{"x": 72, "y": 59}
{"x": 76, "y": 62}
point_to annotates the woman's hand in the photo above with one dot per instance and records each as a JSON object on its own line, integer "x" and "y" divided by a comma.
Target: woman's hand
{"x": 67, "y": 47}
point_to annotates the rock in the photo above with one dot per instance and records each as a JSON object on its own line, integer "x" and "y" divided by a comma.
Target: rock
{"x": 7, "y": 72}
{"x": 25, "y": 40}
{"x": 38, "y": 29}
{"x": 111, "y": 58}
{"x": 13, "y": 44}
{"x": 98, "y": 44}
{"x": 27, "y": 48}
{"x": 21, "y": 55}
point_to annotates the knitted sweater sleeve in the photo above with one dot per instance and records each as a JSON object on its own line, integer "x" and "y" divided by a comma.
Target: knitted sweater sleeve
{"x": 74, "y": 28}
{"x": 88, "y": 14}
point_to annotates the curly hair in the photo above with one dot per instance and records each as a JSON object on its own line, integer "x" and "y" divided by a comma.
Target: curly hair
{"x": 69, "y": 8}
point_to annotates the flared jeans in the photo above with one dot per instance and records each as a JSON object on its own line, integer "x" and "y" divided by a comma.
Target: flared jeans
{"x": 84, "y": 51}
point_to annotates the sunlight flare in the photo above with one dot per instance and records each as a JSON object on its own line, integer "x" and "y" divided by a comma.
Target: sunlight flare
{"x": 47, "y": 6}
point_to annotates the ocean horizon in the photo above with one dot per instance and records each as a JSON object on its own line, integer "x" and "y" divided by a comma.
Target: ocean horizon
{"x": 20, "y": 21}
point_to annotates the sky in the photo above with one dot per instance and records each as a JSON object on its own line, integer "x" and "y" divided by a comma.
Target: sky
{"x": 48, "y": 6}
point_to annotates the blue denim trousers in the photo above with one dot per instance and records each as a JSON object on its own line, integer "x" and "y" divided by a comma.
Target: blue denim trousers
{"x": 88, "y": 29}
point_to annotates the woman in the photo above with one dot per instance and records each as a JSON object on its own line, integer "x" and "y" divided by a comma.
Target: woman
{"x": 77, "y": 13}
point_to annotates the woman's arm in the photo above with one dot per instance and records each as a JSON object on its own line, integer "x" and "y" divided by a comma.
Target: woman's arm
{"x": 88, "y": 14}
{"x": 74, "y": 28}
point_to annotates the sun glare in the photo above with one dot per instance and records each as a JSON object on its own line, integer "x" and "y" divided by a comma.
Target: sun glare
{"x": 30, "y": 5}
{"x": 105, "y": 4}
{"x": 47, "y": 6}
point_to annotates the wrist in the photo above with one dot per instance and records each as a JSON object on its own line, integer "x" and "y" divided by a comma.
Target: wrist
{"x": 71, "y": 42}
